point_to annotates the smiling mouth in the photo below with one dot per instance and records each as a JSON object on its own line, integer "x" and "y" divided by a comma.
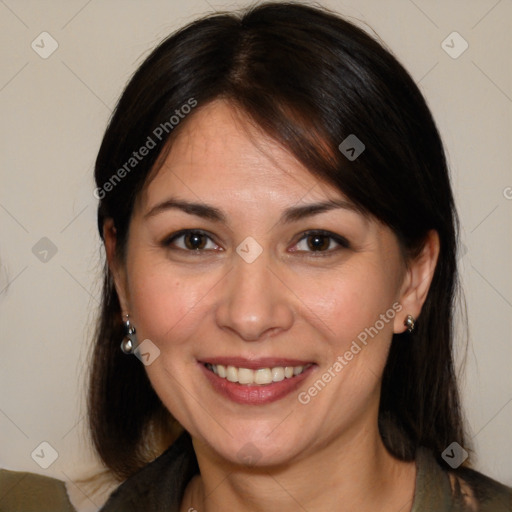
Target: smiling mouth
{"x": 258, "y": 376}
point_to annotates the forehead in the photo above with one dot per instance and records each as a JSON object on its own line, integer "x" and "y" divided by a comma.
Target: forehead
{"x": 220, "y": 152}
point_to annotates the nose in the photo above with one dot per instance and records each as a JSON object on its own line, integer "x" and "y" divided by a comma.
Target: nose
{"x": 255, "y": 302}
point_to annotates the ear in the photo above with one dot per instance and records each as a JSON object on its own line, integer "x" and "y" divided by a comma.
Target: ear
{"x": 417, "y": 280}
{"x": 116, "y": 267}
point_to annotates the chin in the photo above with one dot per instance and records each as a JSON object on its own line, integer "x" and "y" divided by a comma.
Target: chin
{"x": 256, "y": 446}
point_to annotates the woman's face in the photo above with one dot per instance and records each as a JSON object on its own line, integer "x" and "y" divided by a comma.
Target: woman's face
{"x": 237, "y": 257}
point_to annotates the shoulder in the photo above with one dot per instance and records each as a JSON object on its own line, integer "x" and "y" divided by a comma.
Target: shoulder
{"x": 159, "y": 485}
{"x": 23, "y": 492}
{"x": 479, "y": 492}
{"x": 458, "y": 490}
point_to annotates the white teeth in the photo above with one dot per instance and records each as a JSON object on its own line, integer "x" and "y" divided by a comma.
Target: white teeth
{"x": 231, "y": 374}
{"x": 245, "y": 376}
{"x": 261, "y": 376}
{"x": 278, "y": 374}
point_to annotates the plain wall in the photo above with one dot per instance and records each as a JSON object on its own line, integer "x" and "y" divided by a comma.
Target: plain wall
{"x": 53, "y": 114}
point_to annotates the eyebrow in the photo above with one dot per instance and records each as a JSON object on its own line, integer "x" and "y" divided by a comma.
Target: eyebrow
{"x": 292, "y": 214}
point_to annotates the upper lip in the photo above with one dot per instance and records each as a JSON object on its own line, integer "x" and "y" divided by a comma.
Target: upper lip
{"x": 254, "y": 364}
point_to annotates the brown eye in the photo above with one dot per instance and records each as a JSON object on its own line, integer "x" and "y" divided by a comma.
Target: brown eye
{"x": 191, "y": 241}
{"x": 318, "y": 242}
{"x": 194, "y": 241}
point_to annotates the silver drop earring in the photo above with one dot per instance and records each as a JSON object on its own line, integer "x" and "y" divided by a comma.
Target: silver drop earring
{"x": 130, "y": 339}
{"x": 410, "y": 323}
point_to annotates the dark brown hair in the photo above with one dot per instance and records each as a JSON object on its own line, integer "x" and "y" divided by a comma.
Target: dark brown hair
{"x": 308, "y": 79}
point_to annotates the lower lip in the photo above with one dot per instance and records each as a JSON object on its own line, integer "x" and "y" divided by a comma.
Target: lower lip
{"x": 258, "y": 394}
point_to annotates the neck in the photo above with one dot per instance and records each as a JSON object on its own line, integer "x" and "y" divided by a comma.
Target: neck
{"x": 356, "y": 475}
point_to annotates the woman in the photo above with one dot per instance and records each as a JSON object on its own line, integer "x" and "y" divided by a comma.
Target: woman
{"x": 277, "y": 314}
{"x": 281, "y": 243}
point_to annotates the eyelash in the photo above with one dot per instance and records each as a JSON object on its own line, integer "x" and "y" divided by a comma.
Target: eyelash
{"x": 341, "y": 241}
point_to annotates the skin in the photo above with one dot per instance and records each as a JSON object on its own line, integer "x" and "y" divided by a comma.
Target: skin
{"x": 292, "y": 301}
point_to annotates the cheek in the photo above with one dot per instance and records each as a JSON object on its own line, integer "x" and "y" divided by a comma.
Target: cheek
{"x": 357, "y": 307}
{"x": 351, "y": 301}
{"x": 165, "y": 305}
